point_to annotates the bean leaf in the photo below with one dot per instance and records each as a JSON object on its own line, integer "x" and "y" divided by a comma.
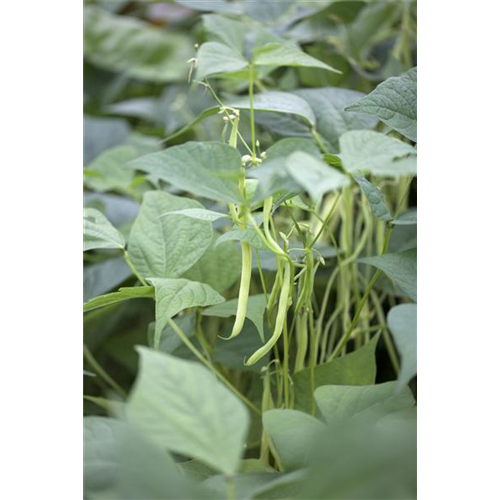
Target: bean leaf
{"x": 356, "y": 368}
{"x": 174, "y": 295}
{"x": 339, "y": 403}
{"x": 294, "y": 434}
{"x": 124, "y": 43}
{"x": 219, "y": 266}
{"x": 208, "y": 169}
{"x": 375, "y": 198}
{"x": 402, "y": 322}
{"x": 182, "y": 407}
{"x": 224, "y": 30}
{"x": 284, "y": 54}
{"x": 331, "y": 118}
{"x": 393, "y": 102}
{"x": 166, "y": 247}
{"x": 315, "y": 176}
{"x": 214, "y": 58}
{"x": 365, "y": 151}
{"x": 400, "y": 267}
{"x": 278, "y": 102}
{"x": 98, "y": 232}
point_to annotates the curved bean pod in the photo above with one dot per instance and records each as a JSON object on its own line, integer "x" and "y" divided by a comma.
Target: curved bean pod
{"x": 280, "y": 319}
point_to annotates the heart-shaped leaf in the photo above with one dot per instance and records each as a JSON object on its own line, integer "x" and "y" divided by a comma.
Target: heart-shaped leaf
{"x": 174, "y": 295}
{"x": 166, "y": 247}
{"x": 182, "y": 407}
{"x": 208, "y": 169}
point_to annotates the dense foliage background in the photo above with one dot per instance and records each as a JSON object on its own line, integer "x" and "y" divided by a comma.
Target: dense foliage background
{"x": 335, "y": 153}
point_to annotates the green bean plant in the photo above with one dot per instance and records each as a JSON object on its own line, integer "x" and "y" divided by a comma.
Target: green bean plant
{"x": 250, "y": 328}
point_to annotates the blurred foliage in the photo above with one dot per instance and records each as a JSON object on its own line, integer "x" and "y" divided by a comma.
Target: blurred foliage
{"x": 138, "y": 99}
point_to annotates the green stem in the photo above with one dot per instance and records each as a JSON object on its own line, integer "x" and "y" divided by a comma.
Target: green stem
{"x": 252, "y": 115}
{"x": 318, "y": 141}
{"x": 285, "y": 365}
{"x": 99, "y": 370}
{"x": 133, "y": 268}
{"x": 210, "y": 366}
{"x": 343, "y": 341}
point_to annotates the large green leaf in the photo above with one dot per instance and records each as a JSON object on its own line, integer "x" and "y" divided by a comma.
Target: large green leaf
{"x": 393, "y": 102}
{"x": 174, "y": 295}
{"x": 365, "y": 151}
{"x": 219, "y": 266}
{"x": 120, "y": 464}
{"x": 166, "y": 247}
{"x": 339, "y": 402}
{"x": 255, "y": 311}
{"x": 285, "y": 54}
{"x": 209, "y": 169}
{"x": 400, "y": 267}
{"x": 375, "y": 198}
{"x": 224, "y": 30}
{"x": 294, "y": 434}
{"x": 126, "y": 293}
{"x": 98, "y": 232}
{"x": 315, "y": 176}
{"x": 122, "y": 43}
{"x": 181, "y": 406}
{"x": 402, "y": 322}
{"x": 214, "y": 58}
{"x": 356, "y": 368}
{"x": 278, "y": 102}
{"x": 328, "y": 106}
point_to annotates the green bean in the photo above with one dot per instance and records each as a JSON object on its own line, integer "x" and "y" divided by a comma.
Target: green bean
{"x": 280, "y": 319}
{"x": 246, "y": 275}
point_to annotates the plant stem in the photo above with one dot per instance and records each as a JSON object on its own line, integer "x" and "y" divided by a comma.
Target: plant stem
{"x": 285, "y": 365}
{"x": 133, "y": 268}
{"x": 252, "y": 115}
{"x": 210, "y": 366}
{"x": 318, "y": 141}
{"x": 343, "y": 341}
{"x": 99, "y": 370}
